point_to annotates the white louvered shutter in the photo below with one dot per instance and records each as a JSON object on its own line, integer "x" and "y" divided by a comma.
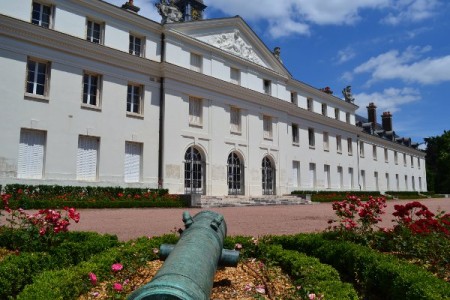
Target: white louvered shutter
{"x": 87, "y": 158}
{"x": 31, "y": 154}
{"x": 133, "y": 153}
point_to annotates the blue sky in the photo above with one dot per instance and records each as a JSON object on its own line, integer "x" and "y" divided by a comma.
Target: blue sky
{"x": 395, "y": 53}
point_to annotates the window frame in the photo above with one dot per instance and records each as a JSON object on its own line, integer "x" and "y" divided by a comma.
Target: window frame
{"x": 324, "y": 109}
{"x": 339, "y": 144}
{"x": 84, "y": 96}
{"x": 41, "y": 14}
{"x": 326, "y": 141}
{"x": 361, "y": 149}
{"x": 310, "y": 104}
{"x": 337, "y": 113}
{"x": 235, "y": 115}
{"x": 295, "y": 134}
{"x": 350, "y": 146}
{"x": 267, "y": 87}
{"x": 374, "y": 152}
{"x": 294, "y": 97}
{"x": 90, "y": 33}
{"x": 196, "y": 62}
{"x": 131, "y": 101}
{"x": 267, "y": 127}
{"x": 36, "y": 82}
{"x": 132, "y": 45}
{"x": 235, "y": 75}
{"x": 311, "y": 138}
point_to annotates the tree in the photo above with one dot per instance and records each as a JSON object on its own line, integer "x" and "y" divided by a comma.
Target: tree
{"x": 438, "y": 162}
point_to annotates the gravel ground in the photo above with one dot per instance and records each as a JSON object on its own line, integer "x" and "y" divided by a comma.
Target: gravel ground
{"x": 253, "y": 221}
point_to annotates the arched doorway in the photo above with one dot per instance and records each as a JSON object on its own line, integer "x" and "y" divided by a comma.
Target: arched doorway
{"x": 193, "y": 172}
{"x": 235, "y": 175}
{"x": 268, "y": 176}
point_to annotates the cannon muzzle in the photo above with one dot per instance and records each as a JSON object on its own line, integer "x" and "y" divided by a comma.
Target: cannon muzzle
{"x": 190, "y": 265}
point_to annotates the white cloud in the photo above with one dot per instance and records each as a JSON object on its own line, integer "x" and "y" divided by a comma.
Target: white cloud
{"x": 391, "y": 99}
{"x": 411, "y": 11}
{"x": 345, "y": 55}
{"x": 407, "y": 66}
{"x": 147, "y": 7}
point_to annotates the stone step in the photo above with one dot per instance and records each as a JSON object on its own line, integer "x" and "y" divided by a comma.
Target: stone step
{"x": 238, "y": 201}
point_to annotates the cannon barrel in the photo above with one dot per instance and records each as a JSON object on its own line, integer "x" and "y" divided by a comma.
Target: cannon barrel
{"x": 188, "y": 271}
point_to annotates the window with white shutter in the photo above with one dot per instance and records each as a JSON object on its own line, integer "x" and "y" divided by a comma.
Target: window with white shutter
{"x": 195, "y": 111}
{"x": 235, "y": 75}
{"x": 133, "y": 158}
{"x": 30, "y": 162}
{"x": 87, "y": 158}
{"x": 196, "y": 62}
{"x": 267, "y": 124}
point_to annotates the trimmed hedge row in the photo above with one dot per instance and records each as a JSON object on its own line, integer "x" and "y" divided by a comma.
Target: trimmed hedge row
{"x": 55, "y": 196}
{"x": 377, "y": 274}
{"x": 331, "y": 196}
{"x": 311, "y": 274}
{"x": 71, "y": 282}
{"x": 405, "y": 195}
{"x": 18, "y": 271}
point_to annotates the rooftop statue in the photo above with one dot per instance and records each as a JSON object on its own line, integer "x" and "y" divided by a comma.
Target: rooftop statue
{"x": 347, "y": 92}
{"x": 277, "y": 53}
{"x": 169, "y": 11}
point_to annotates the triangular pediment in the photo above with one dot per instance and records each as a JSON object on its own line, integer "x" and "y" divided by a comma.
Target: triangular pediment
{"x": 233, "y": 36}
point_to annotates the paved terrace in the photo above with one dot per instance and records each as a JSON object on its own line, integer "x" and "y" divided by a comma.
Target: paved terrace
{"x": 253, "y": 221}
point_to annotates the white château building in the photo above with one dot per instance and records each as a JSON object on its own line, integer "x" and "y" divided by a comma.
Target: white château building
{"x": 94, "y": 94}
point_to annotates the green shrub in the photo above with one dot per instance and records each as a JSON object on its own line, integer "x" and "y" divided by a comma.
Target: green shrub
{"x": 311, "y": 274}
{"x": 74, "y": 281}
{"x": 377, "y": 274}
{"x": 331, "y": 196}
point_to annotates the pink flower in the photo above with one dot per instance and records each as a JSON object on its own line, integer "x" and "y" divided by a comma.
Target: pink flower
{"x": 93, "y": 278}
{"x": 238, "y": 246}
{"x": 155, "y": 250}
{"x": 260, "y": 289}
{"x": 118, "y": 287}
{"x": 127, "y": 281}
{"x": 248, "y": 287}
{"x": 312, "y": 296}
{"x": 95, "y": 294}
{"x": 116, "y": 267}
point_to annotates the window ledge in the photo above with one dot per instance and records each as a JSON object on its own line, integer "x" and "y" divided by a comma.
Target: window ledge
{"x": 90, "y": 107}
{"x": 268, "y": 138}
{"x": 35, "y": 97}
{"x": 135, "y": 115}
{"x": 312, "y": 147}
{"x": 296, "y": 144}
{"x": 195, "y": 125}
{"x": 235, "y": 132}
{"x": 326, "y": 150}
{"x": 339, "y": 152}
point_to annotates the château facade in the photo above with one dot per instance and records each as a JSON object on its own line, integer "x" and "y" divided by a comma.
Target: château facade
{"x": 94, "y": 94}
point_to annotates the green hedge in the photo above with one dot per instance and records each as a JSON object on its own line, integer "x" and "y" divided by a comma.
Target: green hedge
{"x": 331, "y": 196}
{"x": 71, "y": 282}
{"x": 405, "y": 195}
{"x": 377, "y": 274}
{"x": 55, "y": 196}
{"x": 16, "y": 271}
{"x": 311, "y": 274}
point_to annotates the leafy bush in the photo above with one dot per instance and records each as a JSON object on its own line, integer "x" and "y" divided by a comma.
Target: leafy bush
{"x": 378, "y": 274}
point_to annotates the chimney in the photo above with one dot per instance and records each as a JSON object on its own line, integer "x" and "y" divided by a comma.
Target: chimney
{"x": 387, "y": 121}
{"x": 372, "y": 114}
{"x": 129, "y": 5}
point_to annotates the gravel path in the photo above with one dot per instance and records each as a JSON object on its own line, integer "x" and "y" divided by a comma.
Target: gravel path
{"x": 253, "y": 221}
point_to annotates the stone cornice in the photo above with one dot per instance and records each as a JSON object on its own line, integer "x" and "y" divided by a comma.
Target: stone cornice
{"x": 51, "y": 39}
{"x": 363, "y": 136}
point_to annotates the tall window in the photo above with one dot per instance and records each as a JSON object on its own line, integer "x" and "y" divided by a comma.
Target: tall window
{"x": 312, "y": 175}
{"x": 418, "y": 163}
{"x": 324, "y": 109}
{"x": 397, "y": 182}
{"x": 363, "y": 180}
{"x": 193, "y": 171}
{"x": 196, "y": 62}
{"x": 41, "y": 15}
{"x": 134, "y": 99}
{"x": 294, "y": 98}
{"x": 341, "y": 177}
{"x": 336, "y": 113}
{"x": 195, "y": 111}
{"x": 311, "y": 137}
{"x": 235, "y": 175}
{"x": 406, "y": 183}
{"x": 30, "y": 163}
{"x": 326, "y": 141}
{"x": 136, "y": 46}
{"x": 404, "y": 159}
{"x": 267, "y": 124}
{"x": 235, "y": 75}
{"x": 94, "y": 32}
{"x": 87, "y": 158}
{"x": 235, "y": 120}
{"x": 327, "y": 182}
{"x": 412, "y": 161}
{"x": 374, "y": 152}
{"x": 350, "y": 146}
{"x": 388, "y": 183}
{"x": 351, "y": 178}
{"x": 295, "y": 138}
{"x": 295, "y": 174}
{"x": 268, "y": 176}
{"x": 339, "y": 144}
{"x": 309, "y": 104}
{"x": 133, "y": 161}
{"x": 91, "y": 89}
{"x": 396, "y": 157}
{"x": 347, "y": 117}
{"x": 361, "y": 149}
{"x": 267, "y": 86}
{"x": 386, "y": 155}
{"x": 377, "y": 185}
{"x": 38, "y": 74}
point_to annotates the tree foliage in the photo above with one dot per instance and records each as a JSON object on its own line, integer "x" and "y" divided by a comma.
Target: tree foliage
{"x": 438, "y": 162}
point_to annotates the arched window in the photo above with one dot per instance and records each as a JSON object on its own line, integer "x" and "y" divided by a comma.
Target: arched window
{"x": 193, "y": 172}
{"x": 235, "y": 175}
{"x": 268, "y": 177}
